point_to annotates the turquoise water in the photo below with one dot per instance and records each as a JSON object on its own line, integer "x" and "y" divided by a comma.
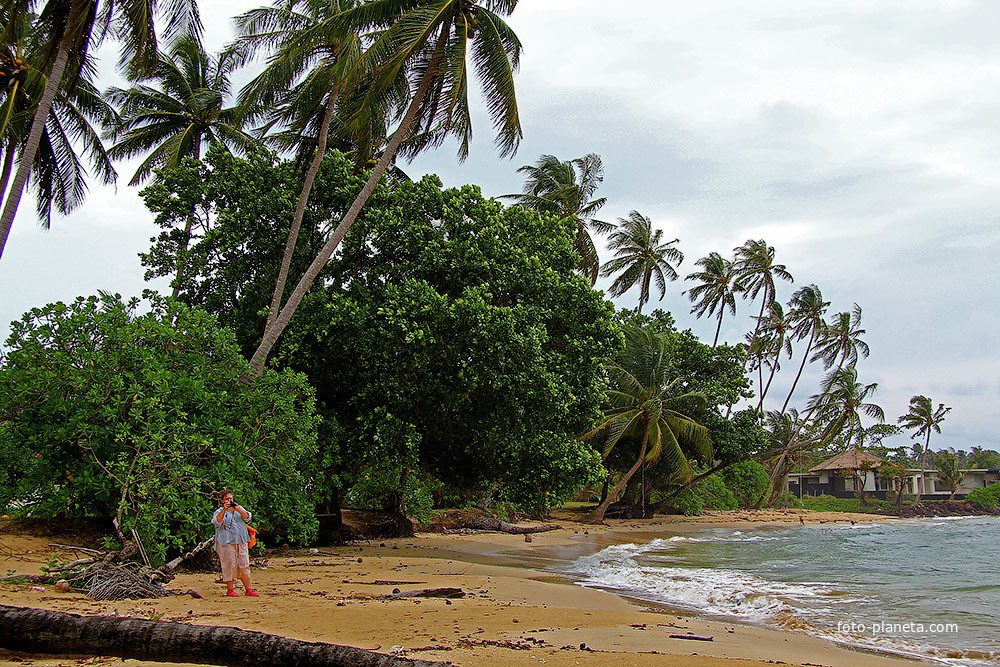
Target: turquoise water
{"x": 927, "y": 588}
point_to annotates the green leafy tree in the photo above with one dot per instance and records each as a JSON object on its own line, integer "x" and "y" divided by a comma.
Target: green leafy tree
{"x": 645, "y": 406}
{"x": 749, "y": 482}
{"x": 231, "y": 268}
{"x": 141, "y": 419}
{"x": 922, "y": 418}
{"x": 897, "y": 471}
{"x": 756, "y": 271}
{"x": 566, "y": 189}
{"x": 983, "y": 458}
{"x": 717, "y": 289}
{"x": 426, "y": 45}
{"x": 806, "y": 311}
{"x": 70, "y": 137}
{"x": 641, "y": 256}
{"x": 451, "y": 338}
{"x": 68, "y": 32}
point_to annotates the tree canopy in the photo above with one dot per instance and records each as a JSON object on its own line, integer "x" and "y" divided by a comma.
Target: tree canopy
{"x": 142, "y": 419}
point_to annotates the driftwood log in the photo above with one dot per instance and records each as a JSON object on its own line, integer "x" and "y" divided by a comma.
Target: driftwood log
{"x": 486, "y": 522}
{"x": 52, "y": 632}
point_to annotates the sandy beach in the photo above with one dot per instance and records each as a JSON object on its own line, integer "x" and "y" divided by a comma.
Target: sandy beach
{"x": 514, "y": 612}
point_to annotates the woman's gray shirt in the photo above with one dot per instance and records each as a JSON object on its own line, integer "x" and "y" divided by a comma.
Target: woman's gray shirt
{"x": 233, "y": 529}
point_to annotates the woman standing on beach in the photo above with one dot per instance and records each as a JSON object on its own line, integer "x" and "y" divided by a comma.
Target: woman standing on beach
{"x": 231, "y": 538}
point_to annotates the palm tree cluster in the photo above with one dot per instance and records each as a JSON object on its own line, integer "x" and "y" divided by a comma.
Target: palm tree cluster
{"x": 379, "y": 78}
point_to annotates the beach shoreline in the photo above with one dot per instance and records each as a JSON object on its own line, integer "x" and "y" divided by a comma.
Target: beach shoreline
{"x": 516, "y": 610}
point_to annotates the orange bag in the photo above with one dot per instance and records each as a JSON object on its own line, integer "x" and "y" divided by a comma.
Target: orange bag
{"x": 253, "y": 537}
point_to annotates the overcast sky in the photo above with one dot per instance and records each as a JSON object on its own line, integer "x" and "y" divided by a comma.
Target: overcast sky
{"x": 859, "y": 138}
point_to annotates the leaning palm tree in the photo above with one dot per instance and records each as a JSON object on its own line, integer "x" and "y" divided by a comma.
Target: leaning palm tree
{"x": 840, "y": 343}
{"x": 716, "y": 291}
{"x": 807, "y": 308}
{"x": 644, "y": 407}
{"x": 70, "y": 28}
{"x": 176, "y": 110}
{"x": 790, "y": 440}
{"x": 777, "y": 329}
{"x": 641, "y": 256}
{"x": 923, "y": 418}
{"x": 308, "y": 71}
{"x": 426, "y": 44}
{"x": 755, "y": 273}
{"x": 70, "y": 136}
{"x": 840, "y": 405}
{"x": 566, "y": 189}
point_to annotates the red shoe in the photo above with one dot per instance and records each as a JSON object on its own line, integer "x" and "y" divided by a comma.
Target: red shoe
{"x": 232, "y": 594}
{"x": 251, "y": 593}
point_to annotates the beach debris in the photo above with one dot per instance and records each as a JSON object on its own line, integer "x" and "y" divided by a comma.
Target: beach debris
{"x": 62, "y": 586}
{"x": 697, "y": 638}
{"x": 428, "y": 593}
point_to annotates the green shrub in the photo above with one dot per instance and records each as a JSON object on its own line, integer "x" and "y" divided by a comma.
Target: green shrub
{"x": 985, "y": 497}
{"x": 111, "y": 414}
{"x": 749, "y": 482}
{"x": 710, "y": 493}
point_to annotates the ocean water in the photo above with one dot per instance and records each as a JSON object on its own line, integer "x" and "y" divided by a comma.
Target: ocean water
{"x": 927, "y": 588}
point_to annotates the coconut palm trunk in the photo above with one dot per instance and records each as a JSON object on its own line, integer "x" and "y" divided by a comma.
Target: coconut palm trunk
{"x": 300, "y": 210}
{"x": 923, "y": 468}
{"x": 805, "y": 358}
{"x": 37, "y": 127}
{"x": 54, "y": 632}
{"x": 601, "y": 510}
{"x": 8, "y": 166}
{"x": 285, "y": 315}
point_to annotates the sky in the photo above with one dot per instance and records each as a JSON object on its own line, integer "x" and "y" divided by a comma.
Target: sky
{"x": 859, "y": 138}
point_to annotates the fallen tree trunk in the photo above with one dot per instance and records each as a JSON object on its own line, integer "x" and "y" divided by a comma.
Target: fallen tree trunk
{"x": 52, "y": 632}
{"x": 492, "y": 523}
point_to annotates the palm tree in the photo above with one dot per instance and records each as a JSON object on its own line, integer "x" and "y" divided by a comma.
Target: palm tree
{"x": 643, "y": 406}
{"x": 70, "y": 29}
{"x": 948, "y": 472}
{"x": 173, "y": 119}
{"x": 717, "y": 290}
{"x": 840, "y": 343}
{"x": 307, "y": 72}
{"x": 789, "y": 441}
{"x": 641, "y": 256}
{"x": 807, "y": 308}
{"x": 183, "y": 111}
{"x": 426, "y": 43}
{"x": 923, "y": 418}
{"x": 776, "y": 330}
{"x": 755, "y": 273}
{"x": 59, "y": 174}
{"x": 566, "y": 189}
{"x": 840, "y": 404}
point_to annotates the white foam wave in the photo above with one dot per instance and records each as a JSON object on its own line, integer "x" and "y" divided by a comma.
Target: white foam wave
{"x": 710, "y": 590}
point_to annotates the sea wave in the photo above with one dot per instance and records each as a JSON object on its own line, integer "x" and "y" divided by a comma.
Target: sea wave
{"x": 637, "y": 571}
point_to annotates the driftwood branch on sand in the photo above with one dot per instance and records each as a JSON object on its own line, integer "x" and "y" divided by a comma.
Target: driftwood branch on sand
{"x": 52, "y": 632}
{"x": 487, "y": 522}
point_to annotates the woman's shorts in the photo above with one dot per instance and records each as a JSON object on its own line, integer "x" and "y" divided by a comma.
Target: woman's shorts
{"x": 235, "y": 559}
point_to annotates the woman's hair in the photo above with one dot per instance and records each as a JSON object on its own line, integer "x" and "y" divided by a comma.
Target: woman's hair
{"x": 223, "y": 493}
